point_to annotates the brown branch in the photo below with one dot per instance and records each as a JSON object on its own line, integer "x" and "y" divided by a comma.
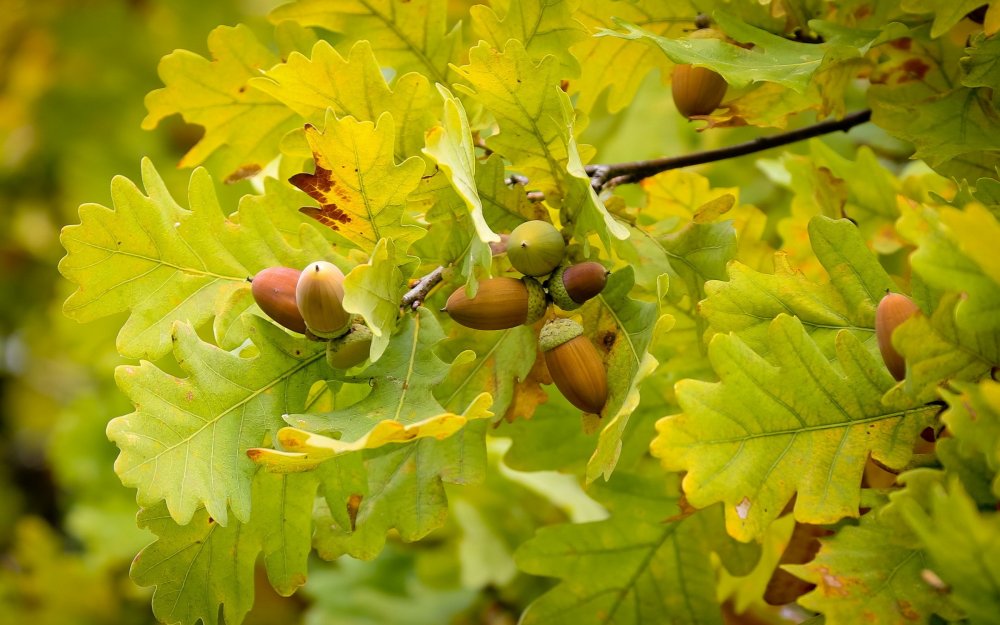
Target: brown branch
{"x": 416, "y": 296}
{"x": 611, "y": 175}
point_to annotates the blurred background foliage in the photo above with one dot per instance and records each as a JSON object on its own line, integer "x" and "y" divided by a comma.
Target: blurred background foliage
{"x": 73, "y": 74}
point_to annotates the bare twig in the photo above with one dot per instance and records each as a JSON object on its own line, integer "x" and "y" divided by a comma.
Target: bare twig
{"x": 416, "y": 296}
{"x": 610, "y": 175}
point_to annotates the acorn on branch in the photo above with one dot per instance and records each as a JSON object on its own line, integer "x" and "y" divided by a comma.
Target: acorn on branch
{"x": 535, "y": 248}
{"x": 574, "y": 364}
{"x": 570, "y": 286}
{"x": 274, "y": 291}
{"x": 351, "y": 349}
{"x": 500, "y": 303}
{"x": 892, "y": 311}
{"x": 319, "y": 294}
{"x": 697, "y": 90}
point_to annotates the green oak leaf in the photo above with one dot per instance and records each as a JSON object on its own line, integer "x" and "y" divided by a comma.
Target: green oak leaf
{"x": 956, "y": 251}
{"x": 186, "y": 441}
{"x": 962, "y": 546}
{"x": 503, "y": 359}
{"x": 450, "y": 146}
{"x": 746, "y": 304}
{"x": 400, "y": 487}
{"x": 958, "y": 127}
{"x": 202, "y": 565}
{"x": 630, "y": 568}
{"x": 864, "y": 573}
{"x": 615, "y": 65}
{"x": 771, "y": 59}
{"x": 938, "y": 351}
{"x": 407, "y": 35}
{"x": 242, "y": 125}
{"x": 536, "y": 131}
{"x": 352, "y": 87}
{"x": 373, "y": 290}
{"x": 973, "y": 416}
{"x": 361, "y": 189}
{"x": 794, "y": 424}
{"x": 947, "y": 13}
{"x": 621, "y": 328}
{"x": 981, "y": 68}
{"x": 545, "y": 27}
{"x": 400, "y": 407}
{"x": 165, "y": 263}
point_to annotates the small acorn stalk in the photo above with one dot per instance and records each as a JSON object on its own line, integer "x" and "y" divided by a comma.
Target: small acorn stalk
{"x": 500, "y": 303}
{"x": 573, "y": 285}
{"x": 574, "y": 364}
{"x": 274, "y": 291}
{"x": 320, "y": 295}
{"x": 535, "y": 248}
{"x": 351, "y": 349}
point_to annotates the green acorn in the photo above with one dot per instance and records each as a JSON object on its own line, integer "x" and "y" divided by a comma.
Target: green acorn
{"x": 570, "y": 286}
{"x": 500, "y": 303}
{"x": 351, "y": 349}
{"x": 320, "y": 295}
{"x": 535, "y": 248}
{"x": 574, "y": 364}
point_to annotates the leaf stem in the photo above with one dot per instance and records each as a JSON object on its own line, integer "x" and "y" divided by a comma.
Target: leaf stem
{"x": 614, "y": 174}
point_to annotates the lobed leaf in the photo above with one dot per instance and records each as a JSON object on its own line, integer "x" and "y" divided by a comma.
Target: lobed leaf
{"x": 544, "y": 27}
{"x": 186, "y": 441}
{"x": 791, "y": 425}
{"x": 373, "y": 290}
{"x": 164, "y": 263}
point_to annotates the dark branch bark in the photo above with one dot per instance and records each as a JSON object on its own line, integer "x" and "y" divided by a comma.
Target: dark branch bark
{"x": 607, "y": 176}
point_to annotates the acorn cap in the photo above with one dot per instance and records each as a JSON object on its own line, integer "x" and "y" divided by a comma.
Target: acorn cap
{"x": 535, "y": 248}
{"x": 557, "y": 291}
{"x": 350, "y": 349}
{"x": 571, "y": 286}
{"x": 557, "y": 332}
{"x": 319, "y": 294}
{"x": 537, "y": 302}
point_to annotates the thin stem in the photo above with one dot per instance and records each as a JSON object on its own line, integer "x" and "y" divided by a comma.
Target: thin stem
{"x": 416, "y": 296}
{"x": 610, "y": 175}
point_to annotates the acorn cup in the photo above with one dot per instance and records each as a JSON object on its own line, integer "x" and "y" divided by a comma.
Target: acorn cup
{"x": 500, "y": 303}
{"x": 274, "y": 291}
{"x": 892, "y": 311}
{"x": 574, "y": 364}
{"x": 535, "y": 248}
{"x": 319, "y": 294}
{"x": 351, "y": 349}
{"x": 571, "y": 286}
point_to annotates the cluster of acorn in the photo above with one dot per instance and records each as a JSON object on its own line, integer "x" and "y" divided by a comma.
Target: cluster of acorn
{"x": 310, "y": 302}
{"x": 536, "y": 249}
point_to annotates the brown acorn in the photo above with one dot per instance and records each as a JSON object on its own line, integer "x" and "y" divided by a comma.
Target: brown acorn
{"x": 574, "y": 364}
{"x": 892, "y": 311}
{"x": 500, "y": 303}
{"x": 573, "y": 285}
{"x": 274, "y": 291}
{"x": 319, "y": 294}
{"x": 697, "y": 90}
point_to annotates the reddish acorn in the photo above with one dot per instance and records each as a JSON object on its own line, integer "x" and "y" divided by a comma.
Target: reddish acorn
{"x": 574, "y": 364}
{"x": 274, "y": 291}
{"x": 500, "y": 303}
{"x": 892, "y": 311}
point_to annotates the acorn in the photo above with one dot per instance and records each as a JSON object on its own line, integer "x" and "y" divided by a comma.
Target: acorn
{"x": 320, "y": 295}
{"x": 570, "y": 286}
{"x": 351, "y": 349}
{"x": 574, "y": 364}
{"x": 499, "y": 304}
{"x": 274, "y": 291}
{"x": 535, "y": 248}
{"x": 697, "y": 90}
{"x": 892, "y": 311}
